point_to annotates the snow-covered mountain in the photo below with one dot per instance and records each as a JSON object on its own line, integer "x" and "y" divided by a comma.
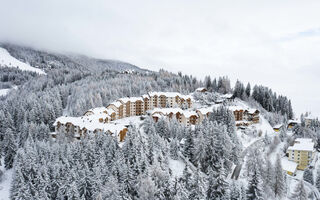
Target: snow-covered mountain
{"x": 6, "y": 60}
{"x": 158, "y": 159}
{"x": 48, "y": 60}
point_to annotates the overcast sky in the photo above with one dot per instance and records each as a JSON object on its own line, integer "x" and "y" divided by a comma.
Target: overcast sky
{"x": 274, "y": 43}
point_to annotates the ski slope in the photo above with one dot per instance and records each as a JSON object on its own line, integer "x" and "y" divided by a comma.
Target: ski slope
{"x": 6, "y": 60}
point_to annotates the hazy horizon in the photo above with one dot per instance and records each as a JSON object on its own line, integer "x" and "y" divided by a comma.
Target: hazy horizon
{"x": 272, "y": 43}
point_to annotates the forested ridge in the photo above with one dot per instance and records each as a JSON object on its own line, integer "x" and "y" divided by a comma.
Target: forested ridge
{"x": 96, "y": 167}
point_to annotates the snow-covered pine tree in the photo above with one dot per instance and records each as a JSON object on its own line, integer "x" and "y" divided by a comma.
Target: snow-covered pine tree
{"x": 146, "y": 188}
{"x": 308, "y": 176}
{"x": 111, "y": 190}
{"x": 162, "y": 128}
{"x": 197, "y": 189}
{"x": 235, "y": 192}
{"x": 174, "y": 148}
{"x": 279, "y": 183}
{"x": 199, "y": 150}
{"x": 217, "y": 185}
{"x": 10, "y": 148}
{"x": 255, "y": 182}
{"x": 299, "y": 192}
{"x": 248, "y": 90}
{"x": 189, "y": 144}
{"x": 268, "y": 176}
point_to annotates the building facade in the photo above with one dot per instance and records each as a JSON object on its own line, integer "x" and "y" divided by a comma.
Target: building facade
{"x": 302, "y": 152}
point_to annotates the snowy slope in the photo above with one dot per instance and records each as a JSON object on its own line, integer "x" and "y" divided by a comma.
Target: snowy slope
{"x": 5, "y": 184}
{"x": 6, "y": 60}
{"x": 4, "y": 92}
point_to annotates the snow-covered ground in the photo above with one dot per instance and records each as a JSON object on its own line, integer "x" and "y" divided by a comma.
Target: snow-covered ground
{"x": 5, "y": 184}
{"x": 4, "y": 92}
{"x": 263, "y": 126}
{"x": 176, "y": 167}
{"x": 7, "y": 60}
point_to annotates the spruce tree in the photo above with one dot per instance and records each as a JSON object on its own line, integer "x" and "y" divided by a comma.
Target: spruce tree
{"x": 279, "y": 184}
{"x": 9, "y": 149}
{"x": 308, "y": 175}
{"x": 217, "y": 185}
{"x": 235, "y": 193}
{"x": 255, "y": 183}
{"x": 299, "y": 192}
{"x": 248, "y": 90}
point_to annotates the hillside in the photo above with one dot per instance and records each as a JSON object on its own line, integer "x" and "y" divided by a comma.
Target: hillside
{"x": 49, "y": 60}
{"x": 228, "y": 154}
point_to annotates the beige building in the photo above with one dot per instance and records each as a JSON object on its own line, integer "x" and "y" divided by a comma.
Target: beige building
{"x": 302, "y": 152}
{"x": 94, "y": 119}
{"x": 77, "y": 127}
{"x": 186, "y": 117}
{"x": 118, "y": 109}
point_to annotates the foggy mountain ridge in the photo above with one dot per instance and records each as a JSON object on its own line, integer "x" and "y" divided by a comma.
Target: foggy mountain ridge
{"x": 48, "y": 60}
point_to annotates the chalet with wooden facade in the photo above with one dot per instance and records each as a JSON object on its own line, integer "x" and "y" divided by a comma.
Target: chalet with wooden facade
{"x": 201, "y": 89}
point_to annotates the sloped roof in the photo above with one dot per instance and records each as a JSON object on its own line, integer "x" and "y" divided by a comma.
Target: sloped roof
{"x": 200, "y": 89}
{"x": 116, "y": 104}
{"x": 90, "y": 124}
{"x": 304, "y": 146}
{"x": 278, "y": 126}
{"x": 289, "y": 166}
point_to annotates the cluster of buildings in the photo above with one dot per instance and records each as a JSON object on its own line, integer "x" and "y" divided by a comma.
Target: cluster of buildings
{"x": 103, "y": 119}
{"x": 243, "y": 117}
{"x": 169, "y": 105}
{"x": 299, "y": 155}
{"x": 290, "y": 125}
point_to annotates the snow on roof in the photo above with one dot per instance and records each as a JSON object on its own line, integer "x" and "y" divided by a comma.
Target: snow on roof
{"x": 293, "y": 121}
{"x": 200, "y": 89}
{"x": 116, "y": 104}
{"x": 304, "y": 146}
{"x": 124, "y": 99}
{"x": 110, "y": 111}
{"x": 170, "y": 94}
{"x": 130, "y": 99}
{"x": 98, "y": 110}
{"x": 252, "y": 111}
{"x": 146, "y": 96}
{"x": 278, "y": 126}
{"x": 189, "y": 113}
{"x": 90, "y": 124}
{"x": 236, "y": 108}
{"x": 186, "y": 96}
{"x": 205, "y": 110}
{"x": 157, "y": 115}
{"x": 134, "y": 99}
{"x": 227, "y": 96}
{"x": 167, "y": 111}
{"x": 303, "y": 140}
{"x": 289, "y": 166}
{"x": 9, "y": 61}
{"x": 167, "y": 94}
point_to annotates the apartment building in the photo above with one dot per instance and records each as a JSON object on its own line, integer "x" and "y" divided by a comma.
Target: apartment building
{"x": 302, "y": 152}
